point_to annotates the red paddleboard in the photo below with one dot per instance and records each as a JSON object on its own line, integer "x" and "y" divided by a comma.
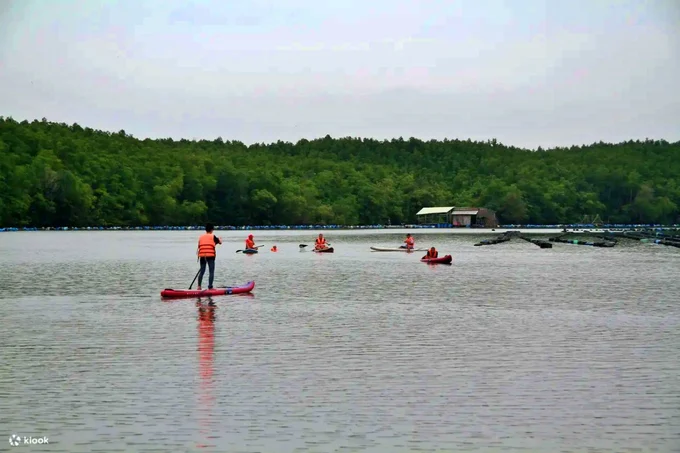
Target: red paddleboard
{"x": 170, "y": 293}
{"x": 446, "y": 259}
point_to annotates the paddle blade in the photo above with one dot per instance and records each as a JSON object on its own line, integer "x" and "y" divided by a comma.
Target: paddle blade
{"x": 303, "y": 245}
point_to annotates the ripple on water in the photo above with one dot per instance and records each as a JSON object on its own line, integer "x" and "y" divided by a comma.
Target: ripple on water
{"x": 510, "y": 348}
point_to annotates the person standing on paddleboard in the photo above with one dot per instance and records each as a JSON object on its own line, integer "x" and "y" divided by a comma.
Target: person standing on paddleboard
{"x": 206, "y": 254}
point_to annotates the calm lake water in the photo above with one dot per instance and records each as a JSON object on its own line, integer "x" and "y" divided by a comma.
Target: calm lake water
{"x": 512, "y": 348}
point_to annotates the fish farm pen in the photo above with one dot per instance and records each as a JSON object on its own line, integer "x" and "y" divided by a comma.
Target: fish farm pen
{"x": 670, "y": 237}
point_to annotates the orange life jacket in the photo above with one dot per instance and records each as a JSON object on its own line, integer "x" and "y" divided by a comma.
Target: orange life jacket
{"x": 409, "y": 242}
{"x": 432, "y": 254}
{"x": 321, "y": 241}
{"x": 250, "y": 244}
{"x": 206, "y": 245}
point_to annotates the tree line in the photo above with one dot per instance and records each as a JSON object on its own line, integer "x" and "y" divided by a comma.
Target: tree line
{"x": 55, "y": 174}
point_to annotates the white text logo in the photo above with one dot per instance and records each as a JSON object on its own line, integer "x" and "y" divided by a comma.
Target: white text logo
{"x": 15, "y": 440}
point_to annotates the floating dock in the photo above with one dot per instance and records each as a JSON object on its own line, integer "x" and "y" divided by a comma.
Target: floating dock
{"x": 564, "y": 238}
{"x": 670, "y": 238}
{"x": 509, "y": 235}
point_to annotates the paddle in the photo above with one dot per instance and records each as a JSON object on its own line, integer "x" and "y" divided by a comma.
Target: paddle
{"x": 256, "y": 247}
{"x": 195, "y": 277}
{"x": 305, "y": 245}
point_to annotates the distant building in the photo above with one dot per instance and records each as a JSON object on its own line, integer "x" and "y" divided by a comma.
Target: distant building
{"x": 458, "y": 216}
{"x": 435, "y": 215}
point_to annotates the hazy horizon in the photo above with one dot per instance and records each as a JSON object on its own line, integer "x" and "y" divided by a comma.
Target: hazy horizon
{"x": 528, "y": 74}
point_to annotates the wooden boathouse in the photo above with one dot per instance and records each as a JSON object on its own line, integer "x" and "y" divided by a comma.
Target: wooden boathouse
{"x": 458, "y": 216}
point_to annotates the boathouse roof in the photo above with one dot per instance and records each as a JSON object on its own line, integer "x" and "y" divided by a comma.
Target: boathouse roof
{"x": 436, "y": 210}
{"x": 465, "y": 211}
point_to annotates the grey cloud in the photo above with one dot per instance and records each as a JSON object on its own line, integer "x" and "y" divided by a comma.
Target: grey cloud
{"x": 558, "y": 85}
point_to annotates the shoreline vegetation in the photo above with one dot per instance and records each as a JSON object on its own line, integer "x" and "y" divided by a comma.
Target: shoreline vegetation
{"x": 571, "y": 228}
{"x": 52, "y": 175}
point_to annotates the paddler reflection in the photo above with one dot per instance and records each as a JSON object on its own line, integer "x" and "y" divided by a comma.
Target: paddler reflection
{"x": 206, "y": 349}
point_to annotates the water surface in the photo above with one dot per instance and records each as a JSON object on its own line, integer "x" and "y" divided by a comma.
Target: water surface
{"x": 512, "y": 348}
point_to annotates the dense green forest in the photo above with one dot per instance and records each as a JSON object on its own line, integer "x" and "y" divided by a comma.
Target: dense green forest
{"x": 67, "y": 175}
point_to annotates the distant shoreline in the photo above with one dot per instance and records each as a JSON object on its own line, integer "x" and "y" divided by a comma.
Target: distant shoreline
{"x": 453, "y": 230}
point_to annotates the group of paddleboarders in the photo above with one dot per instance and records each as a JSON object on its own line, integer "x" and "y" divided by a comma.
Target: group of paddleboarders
{"x": 206, "y": 251}
{"x": 319, "y": 244}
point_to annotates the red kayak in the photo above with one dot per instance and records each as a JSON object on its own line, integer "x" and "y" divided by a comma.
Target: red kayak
{"x": 178, "y": 293}
{"x": 327, "y": 250}
{"x": 446, "y": 259}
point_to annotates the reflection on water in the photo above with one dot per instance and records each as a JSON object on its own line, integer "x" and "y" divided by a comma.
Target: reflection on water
{"x": 512, "y": 347}
{"x": 206, "y": 350}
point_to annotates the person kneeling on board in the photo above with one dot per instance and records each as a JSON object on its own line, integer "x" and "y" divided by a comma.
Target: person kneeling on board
{"x": 206, "y": 254}
{"x": 250, "y": 243}
{"x": 432, "y": 253}
{"x": 410, "y": 242}
{"x": 320, "y": 243}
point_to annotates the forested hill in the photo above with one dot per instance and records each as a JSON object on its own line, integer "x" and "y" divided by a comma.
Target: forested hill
{"x": 60, "y": 175}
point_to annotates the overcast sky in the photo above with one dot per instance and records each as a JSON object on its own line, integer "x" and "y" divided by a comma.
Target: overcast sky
{"x": 526, "y": 72}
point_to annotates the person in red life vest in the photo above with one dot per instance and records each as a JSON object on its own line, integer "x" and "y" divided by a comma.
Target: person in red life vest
{"x": 432, "y": 253}
{"x": 320, "y": 243}
{"x": 206, "y": 254}
{"x": 410, "y": 243}
{"x": 274, "y": 249}
{"x": 250, "y": 243}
